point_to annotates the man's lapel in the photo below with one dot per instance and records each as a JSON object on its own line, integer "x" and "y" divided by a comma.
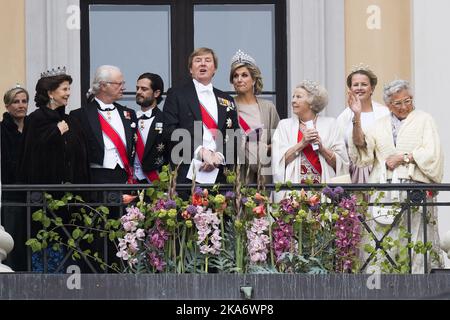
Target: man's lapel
{"x": 126, "y": 121}
{"x": 92, "y": 115}
{"x": 194, "y": 103}
{"x": 221, "y": 110}
{"x": 152, "y": 133}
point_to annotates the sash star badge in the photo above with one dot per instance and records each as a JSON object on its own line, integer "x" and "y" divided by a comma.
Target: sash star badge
{"x": 160, "y": 147}
{"x": 224, "y": 102}
{"x": 159, "y": 161}
{"x": 229, "y": 123}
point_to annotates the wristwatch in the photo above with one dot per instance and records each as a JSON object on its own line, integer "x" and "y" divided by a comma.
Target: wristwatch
{"x": 406, "y": 159}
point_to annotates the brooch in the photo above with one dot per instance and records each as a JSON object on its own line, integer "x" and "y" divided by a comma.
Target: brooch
{"x": 159, "y": 127}
{"x": 229, "y": 123}
{"x": 133, "y": 125}
{"x": 127, "y": 115}
{"x": 224, "y": 102}
{"x": 231, "y": 107}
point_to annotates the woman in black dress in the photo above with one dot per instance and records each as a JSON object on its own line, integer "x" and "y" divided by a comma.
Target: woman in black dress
{"x": 13, "y": 218}
{"x": 54, "y": 148}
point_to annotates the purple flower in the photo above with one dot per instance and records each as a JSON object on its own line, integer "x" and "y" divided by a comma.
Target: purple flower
{"x": 170, "y": 204}
{"x": 229, "y": 195}
{"x": 339, "y": 190}
{"x": 191, "y": 209}
{"x": 198, "y": 191}
{"x": 244, "y": 200}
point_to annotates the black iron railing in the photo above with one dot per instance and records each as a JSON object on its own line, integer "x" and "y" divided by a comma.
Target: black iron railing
{"x": 33, "y": 198}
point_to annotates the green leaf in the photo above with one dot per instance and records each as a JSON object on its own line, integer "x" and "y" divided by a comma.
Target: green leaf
{"x": 76, "y": 233}
{"x": 164, "y": 177}
{"x": 78, "y": 198}
{"x": 149, "y": 192}
{"x": 76, "y": 255}
{"x": 71, "y": 243}
{"x": 112, "y": 236}
{"x": 87, "y": 220}
{"x": 58, "y": 221}
{"x": 46, "y": 222}
{"x": 103, "y": 209}
{"x": 37, "y": 216}
{"x": 60, "y": 203}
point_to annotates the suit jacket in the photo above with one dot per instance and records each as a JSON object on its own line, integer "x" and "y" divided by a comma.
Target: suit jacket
{"x": 182, "y": 109}
{"x": 155, "y": 152}
{"x": 88, "y": 117}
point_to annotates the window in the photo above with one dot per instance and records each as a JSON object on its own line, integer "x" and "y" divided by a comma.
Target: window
{"x": 158, "y": 36}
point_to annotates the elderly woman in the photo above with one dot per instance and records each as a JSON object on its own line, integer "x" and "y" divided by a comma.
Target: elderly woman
{"x": 13, "y": 218}
{"x": 254, "y": 113}
{"x": 54, "y": 149}
{"x": 308, "y": 146}
{"x": 406, "y": 141}
{"x": 361, "y": 83}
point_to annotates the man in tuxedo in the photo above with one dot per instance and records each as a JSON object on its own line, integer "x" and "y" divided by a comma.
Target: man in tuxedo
{"x": 197, "y": 104}
{"x": 150, "y": 146}
{"x": 109, "y": 127}
{"x": 110, "y": 130}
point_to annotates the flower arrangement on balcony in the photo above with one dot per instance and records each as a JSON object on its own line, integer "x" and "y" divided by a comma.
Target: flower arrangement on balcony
{"x": 225, "y": 231}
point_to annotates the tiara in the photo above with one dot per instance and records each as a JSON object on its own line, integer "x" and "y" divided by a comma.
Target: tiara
{"x": 241, "y": 57}
{"x": 361, "y": 67}
{"x": 310, "y": 86}
{"x": 54, "y": 72}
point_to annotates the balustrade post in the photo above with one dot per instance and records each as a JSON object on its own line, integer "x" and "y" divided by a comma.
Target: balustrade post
{"x": 6, "y": 245}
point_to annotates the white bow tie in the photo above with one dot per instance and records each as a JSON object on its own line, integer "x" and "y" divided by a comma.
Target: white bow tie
{"x": 148, "y": 114}
{"x": 107, "y": 107}
{"x": 207, "y": 88}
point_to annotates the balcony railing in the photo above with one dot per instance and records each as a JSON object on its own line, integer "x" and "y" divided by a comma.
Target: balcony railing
{"x": 111, "y": 196}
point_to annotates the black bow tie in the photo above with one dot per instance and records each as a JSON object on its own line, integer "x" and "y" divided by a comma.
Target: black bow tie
{"x": 106, "y": 109}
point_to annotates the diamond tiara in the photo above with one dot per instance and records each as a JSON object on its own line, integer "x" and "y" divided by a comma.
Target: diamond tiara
{"x": 241, "y": 57}
{"x": 310, "y": 86}
{"x": 361, "y": 67}
{"x": 54, "y": 72}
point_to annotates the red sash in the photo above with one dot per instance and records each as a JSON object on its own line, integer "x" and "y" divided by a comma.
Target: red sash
{"x": 120, "y": 146}
{"x": 310, "y": 154}
{"x": 140, "y": 147}
{"x": 209, "y": 121}
{"x": 244, "y": 125}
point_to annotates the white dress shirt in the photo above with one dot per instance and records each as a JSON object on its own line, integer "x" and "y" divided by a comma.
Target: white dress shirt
{"x": 111, "y": 157}
{"x": 144, "y": 127}
{"x": 207, "y": 98}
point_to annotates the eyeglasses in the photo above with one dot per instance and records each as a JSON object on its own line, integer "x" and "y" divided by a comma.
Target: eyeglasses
{"x": 118, "y": 83}
{"x": 407, "y": 102}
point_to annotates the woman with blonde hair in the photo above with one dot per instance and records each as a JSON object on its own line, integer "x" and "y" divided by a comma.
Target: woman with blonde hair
{"x": 258, "y": 117}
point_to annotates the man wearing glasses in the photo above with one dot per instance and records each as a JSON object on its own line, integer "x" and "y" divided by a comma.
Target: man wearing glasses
{"x": 109, "y": 128}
